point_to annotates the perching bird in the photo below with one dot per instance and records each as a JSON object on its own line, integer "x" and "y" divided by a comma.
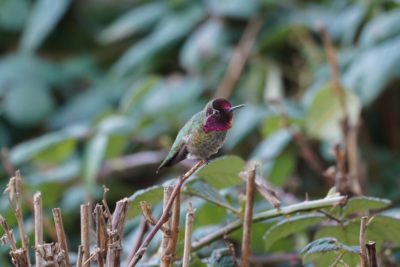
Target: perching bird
{"x": 203, "y": 135}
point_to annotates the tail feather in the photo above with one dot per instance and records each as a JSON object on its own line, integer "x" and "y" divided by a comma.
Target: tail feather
{"x": 180, "y": 155}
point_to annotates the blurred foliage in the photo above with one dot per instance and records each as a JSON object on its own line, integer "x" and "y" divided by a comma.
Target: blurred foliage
{"x": 88, "y": 87}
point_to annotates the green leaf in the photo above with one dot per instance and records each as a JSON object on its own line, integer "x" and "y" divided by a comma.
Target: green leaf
{"x": 234, "y": 8}
{"x": 170, "y": 30}
{"x": 322, "y": 247}
{"x": 134, "y": 21}
{"x": 273, "y": 145}
{"x": 380, "y": 28}
{"x": 13, "y": 14}
{"x": 19, "y": 108}
{"x": 25, "y": 151}
{"x": 222, "y": 172}
{"x": 203, "y": 190}
{"x": 57, "y": 153}
{"x": 282, "y": 167}
{"x": 324, "y": 115}
{"x": 94, "y": 155}
{"x": 44, "y": 17}
{"x": 290, "y": 226}
{"x": 152, "y": 195}
{"x": 368, "y": 81}
{"x": 206, "y": 44}
{"x": 221, "y": 258}
{"x": 384, "y": 228}
{"x": 361, "y": 204}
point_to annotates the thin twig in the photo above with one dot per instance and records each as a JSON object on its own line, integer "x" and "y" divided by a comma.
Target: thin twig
{"x": 303, "y": 206}
{"x": 363, "y": 248}
{"x": 139, "y": 239}
{"x": 101, "y": 235}
{"x": 248, "y": 216}
{"x": 173, "y": 241}
{"x": 165, "y": 261}
{"x": 38, "y": 215}
{"x": 19, "y": 216}
{"x": 115, "y": 241}
{"x": 79, "y": 258}
{"x": 239, "y": 58}
{"x": 61, "y": 238}
{"x": 85, "y": 235}
{"x": 8, "y": 233}
{"x": 150, "y": 219}
{"x": 371, "y": 251}
{"x": 188, "y": 235}
{"x": 142, "y": 249}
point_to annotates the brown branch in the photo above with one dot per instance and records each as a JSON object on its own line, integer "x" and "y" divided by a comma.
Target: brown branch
{"x": 363, "y": 248}
{"x": 139, "y": 239}
{"x": 61, "y": 238}
{"x": 188, "y": 235}
{"x": 165, "y": 261}
{"x": 38, "y": 218}
{"x": 248, "y": 216}
{"x": 19, "y": 216}
{"x": 101, "y": 235}
{"x": 173, "y": 241}
{"x": 142, "y": 249}
{"x": 150, "y": 219}
{"x": 371, "y": 252}
{"x": 85, "y": 235}
{"x": 239, "y": 58}
{"x": 115, "y": 240}
{"x": 8, "y": 234}
{"x": 79, "y": 258}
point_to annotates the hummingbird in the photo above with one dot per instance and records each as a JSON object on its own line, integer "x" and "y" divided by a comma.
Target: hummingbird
{"x": 204, "y": 134}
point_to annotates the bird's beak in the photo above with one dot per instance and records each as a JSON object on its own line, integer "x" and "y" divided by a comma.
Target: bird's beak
{"x": 236, "y": 107}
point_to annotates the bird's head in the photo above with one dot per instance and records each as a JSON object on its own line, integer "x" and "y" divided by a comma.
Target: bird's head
{"x": 219, "y": 115}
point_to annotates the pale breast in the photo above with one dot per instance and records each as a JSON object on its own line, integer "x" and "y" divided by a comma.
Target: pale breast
{"x": 202, "y": 145}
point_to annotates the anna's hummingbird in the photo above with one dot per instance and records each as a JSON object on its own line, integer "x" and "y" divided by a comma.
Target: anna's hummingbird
{"x": 204, "y": 134}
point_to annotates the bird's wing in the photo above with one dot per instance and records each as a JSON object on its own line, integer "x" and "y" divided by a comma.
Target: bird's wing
{"x": 178, "y": 151}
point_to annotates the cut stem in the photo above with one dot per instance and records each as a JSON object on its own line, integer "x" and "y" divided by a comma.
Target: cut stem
{"x": 85, "y": 236}
{"x": 248, "y": 216}
{"x": 188, "y": 236}
{"x": 38, "y": 218}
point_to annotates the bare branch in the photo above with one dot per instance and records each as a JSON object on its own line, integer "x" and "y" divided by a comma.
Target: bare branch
{"x": 248, "y": 215}
{"x": 142, "y": 249}
{"x": 188, "y": 235}
{"x": 363, "y": 248}
{"x": 371, "y": 251}
{"x": 85, "y": 236}
{"x": 38, "y": 214}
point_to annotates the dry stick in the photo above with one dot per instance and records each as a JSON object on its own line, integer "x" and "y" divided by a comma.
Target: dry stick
{"x": 115, "y": 240}
{"x": 248, "y": 216}
{"x": 239, "y": 58}
{"x": 8, "y": 233}
{"x": 265, "y": 215}
{"x": 85, "y": 235}
{"x": 80, "y": 256}
{"x": 142, "y": 249}
{"x": 188, "y": 235}
{"x": 101, "y": 235}
{"x": 61, "y": 238}
{"x": 10, "y": 170}
{"x": 363, "y": 248}
{"x": 173, "y": 241}
{"x": 371, "y": 251}
{"x": 142, "y": 230}
{"x": 38, "y": 214}
{"x": 19, "y": 216}
{"x": 165, "y": 262}
{"x": 349, "y": 130}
